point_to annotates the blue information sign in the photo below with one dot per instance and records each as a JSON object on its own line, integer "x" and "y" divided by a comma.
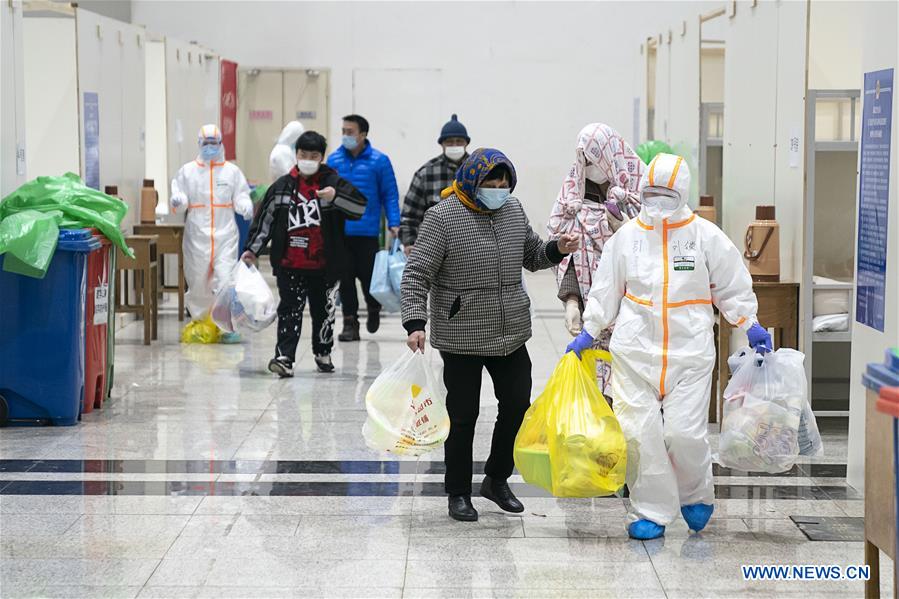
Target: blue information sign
{"x": 874, "y": 198}
{"x": 92, "y": 140}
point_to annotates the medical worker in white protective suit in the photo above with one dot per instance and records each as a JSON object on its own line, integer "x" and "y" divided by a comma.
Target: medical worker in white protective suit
{"x": 657, "y": 280}
{"x": 284, "y": 155}
{"x": 212, "y": 191}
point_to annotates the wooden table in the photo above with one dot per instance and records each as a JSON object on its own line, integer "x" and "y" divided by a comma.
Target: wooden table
{"x": 144, "y": 267}
{"x": 170, "y": 238}
{"x": 778, "y": 310}
{"x": 880, "y": 494}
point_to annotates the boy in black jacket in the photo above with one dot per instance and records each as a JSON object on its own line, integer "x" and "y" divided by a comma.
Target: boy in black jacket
{"x": 303, "y": 214}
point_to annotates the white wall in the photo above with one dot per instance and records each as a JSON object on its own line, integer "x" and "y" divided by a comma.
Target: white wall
{"x": 879, "y": 51}
{"x": 524, "y": 77}
{"x": 51, "y": 97}
{"x": 764, "y": 91}
{"x": 12, "y": 97}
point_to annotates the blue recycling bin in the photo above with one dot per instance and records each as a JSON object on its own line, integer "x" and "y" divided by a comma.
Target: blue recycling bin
{"x": 42, "y": 332}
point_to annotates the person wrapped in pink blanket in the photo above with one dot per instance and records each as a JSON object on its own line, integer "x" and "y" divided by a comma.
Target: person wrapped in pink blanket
{"x": 598, "y": 195}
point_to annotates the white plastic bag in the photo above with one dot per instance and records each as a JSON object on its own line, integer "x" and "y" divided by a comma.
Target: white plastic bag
{"x": 767, "y": 414}
{"x": 245, "y": 301}
{"x": 406, "y": 408}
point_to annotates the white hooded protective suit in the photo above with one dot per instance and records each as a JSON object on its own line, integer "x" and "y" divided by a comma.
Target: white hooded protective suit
{"x": 211, "y": 191}
{"x": 284, "y": 155}
{"x": 657, "y": 280}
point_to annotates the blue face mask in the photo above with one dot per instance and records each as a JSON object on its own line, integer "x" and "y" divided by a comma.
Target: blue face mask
{"x": 350, "y": 142}
{"x": 494, "y": 198}
{"x": 210, "y": 151}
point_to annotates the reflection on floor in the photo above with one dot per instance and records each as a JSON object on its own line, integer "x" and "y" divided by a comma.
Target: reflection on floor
{"x": 206, "y": 476}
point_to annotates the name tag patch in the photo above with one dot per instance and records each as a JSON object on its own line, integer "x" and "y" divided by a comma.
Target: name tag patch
{"x": 684, "y": 263}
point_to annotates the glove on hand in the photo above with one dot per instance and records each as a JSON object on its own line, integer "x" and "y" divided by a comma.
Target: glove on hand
{"x": 582, "y": 342}
{"x": 573, "y": 317}
{"x": 759, "y": 338}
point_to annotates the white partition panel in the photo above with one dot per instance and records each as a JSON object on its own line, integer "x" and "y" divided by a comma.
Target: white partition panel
{"x": 192, "y": 93}
{"x": 790, "y": 143}
{"x": 662, "y": 87}
{"x": 134, "y": 145}
{"x": 835, "y": 44}
{"x": 683, "y": 99}
{"x": 156, "y": 140}
{"x": 51, "y": 96}
{"x": 12, "y": 104}
{"x": 879, "y": 51}
{"x": 764, "y": 103}
{"x": 111, "y": 64}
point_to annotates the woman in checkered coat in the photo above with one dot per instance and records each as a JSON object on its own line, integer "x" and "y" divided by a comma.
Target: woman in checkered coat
{"x": 467, "y": 261}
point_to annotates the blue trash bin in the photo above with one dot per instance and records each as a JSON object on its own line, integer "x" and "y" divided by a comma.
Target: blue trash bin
{"x": 42, "y": 336}
{"x": 882, "y": 380}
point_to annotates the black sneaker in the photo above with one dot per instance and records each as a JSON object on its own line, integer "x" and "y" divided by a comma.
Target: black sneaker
{"x": 350, "y": 329}
{"x": 324, "y": 363}
{"x": 373, "y": 322}
{"x": 281, "y": 366}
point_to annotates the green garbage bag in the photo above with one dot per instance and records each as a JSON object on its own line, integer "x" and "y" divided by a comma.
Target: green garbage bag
{"x": 648, "y": 150}
{"x": 24, "y": 230}
{"x": 258, "y": 193}
{"x": 28, "y": 239}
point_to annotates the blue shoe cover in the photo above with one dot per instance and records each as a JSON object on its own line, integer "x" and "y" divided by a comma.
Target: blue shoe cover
{"x": 229, "y": 338}
{"x": 645, "y": 530}
{"x": 697, "y": 515}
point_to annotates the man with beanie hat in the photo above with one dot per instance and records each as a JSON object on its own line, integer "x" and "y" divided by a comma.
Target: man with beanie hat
{"x": 433, "y": 177}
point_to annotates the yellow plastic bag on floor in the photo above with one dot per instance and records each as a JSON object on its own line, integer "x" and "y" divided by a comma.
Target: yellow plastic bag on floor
{"x": 570, "y": 442}
{"x": 201, "y": 331}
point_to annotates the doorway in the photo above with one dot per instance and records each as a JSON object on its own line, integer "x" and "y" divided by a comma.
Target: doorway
{"x": 711, "y": 111}
{"x": 267, "y": 100}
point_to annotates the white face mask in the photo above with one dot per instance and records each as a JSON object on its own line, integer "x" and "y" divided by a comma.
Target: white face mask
{"x": 307, "y": 167}
{"x": 595, "y": 174}
{"x": 660, "y": 203}
{"x": 454, "y": 153}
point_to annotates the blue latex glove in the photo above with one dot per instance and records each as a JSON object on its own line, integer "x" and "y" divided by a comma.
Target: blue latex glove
{"x": 581, "y": 342}
{"x": 759, "y": 339}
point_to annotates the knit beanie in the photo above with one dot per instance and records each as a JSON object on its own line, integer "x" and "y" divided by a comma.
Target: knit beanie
{"x": 453, "y": 128}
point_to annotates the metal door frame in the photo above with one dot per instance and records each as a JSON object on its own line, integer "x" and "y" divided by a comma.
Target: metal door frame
{"x": 808, "y": 268}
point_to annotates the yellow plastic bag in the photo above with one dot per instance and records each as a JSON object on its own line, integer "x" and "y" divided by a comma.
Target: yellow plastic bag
{"x": 201, "y": 331}
{"x": 570, "y": 442}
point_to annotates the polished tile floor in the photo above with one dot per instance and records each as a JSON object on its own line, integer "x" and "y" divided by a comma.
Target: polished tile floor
{"x": 205, "y": 476}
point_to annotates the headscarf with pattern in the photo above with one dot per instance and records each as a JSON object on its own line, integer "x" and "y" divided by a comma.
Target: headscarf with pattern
{"x": 472, "y": 173}
{"x": 601, "y": 146}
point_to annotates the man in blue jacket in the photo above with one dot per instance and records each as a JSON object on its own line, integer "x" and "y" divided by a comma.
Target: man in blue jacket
{"x": 370, "y": 171}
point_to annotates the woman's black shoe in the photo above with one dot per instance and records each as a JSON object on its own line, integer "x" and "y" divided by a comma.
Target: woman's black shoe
{"x": 460, "y": 508}
{"x": 499, "y": 493}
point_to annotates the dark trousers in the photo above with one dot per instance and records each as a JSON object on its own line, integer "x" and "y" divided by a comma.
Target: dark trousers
{"x": 295, "y": 288}
{"x": 360, "y": 258}
{"x": 512, "y": 381}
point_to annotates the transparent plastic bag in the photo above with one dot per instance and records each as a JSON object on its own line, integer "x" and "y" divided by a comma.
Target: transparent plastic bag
{"x": 382, "y": 287}
{"x": 570, "y": 442}
{"x": 245, "y": 301}
{"x": 406, "y": 408}
{"x": 768, "y": 420}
